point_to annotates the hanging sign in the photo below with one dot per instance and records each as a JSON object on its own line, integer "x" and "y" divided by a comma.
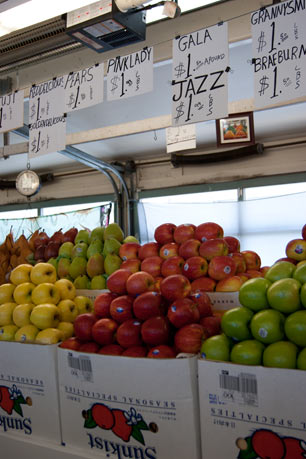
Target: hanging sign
{"x": 199, "y": 75}
{"x": 181, "y": 138}
{"x": 84, "y": 88}
{"x": 47, "y": 120}
{"x": 279, "y": 52}
{"x": 130, "y": 75}
{"x": 11, "y": 111}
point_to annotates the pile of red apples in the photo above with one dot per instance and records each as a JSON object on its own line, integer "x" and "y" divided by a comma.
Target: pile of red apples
{"x": 157, "y": 304}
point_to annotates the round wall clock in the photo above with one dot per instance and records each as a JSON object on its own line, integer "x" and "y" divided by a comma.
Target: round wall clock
{"x": 28, "y": 183}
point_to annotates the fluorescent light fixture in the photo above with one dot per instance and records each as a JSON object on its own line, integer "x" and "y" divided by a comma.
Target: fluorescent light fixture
{"x": 35, "y": 11}
{"x": 155, "y": 14}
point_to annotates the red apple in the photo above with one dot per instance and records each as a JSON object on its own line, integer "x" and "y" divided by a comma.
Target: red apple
{"x": 116, "y": 282}
{"x": 69, "y": 235}
{"x": 189, "y": 338}
{"x": 208, "y": 230}
{"x": 121, "y": 308}
{"x": 157, "y": 284}
{"x": 168, "y": 250}
{"x": 183, "y": 312}
{"x": 150, "y": 249}
{"x": 233, "y": 244}
{"x": 172, "y": 265}
{"x": 155, "y": 331}
{"x": 83, "y": 326}
{"x": 148, "y": 304}
{"x": 252, "y": 259}
{"x": 152, "y": 265}
{"x": 111, "y": 349}
{"x": 240, "y": 262}
{"x": 221, "y": 267}
{"x": 244, "y": 276}
{"x": 211, "y": 325}
{"x": 304, "y": 232}
{"x": 72, "y": 343}
{"x": 184, "y": 232}
{"x": 129, "y": 333}
{"x": 254, "y": 273}
{"x": 203, "y": 302}
{"x": 203, "y": 283}
{"x": 174, "y": 287}
{"x": 129, "y": 250}
{"x": 213, "y": 248}
{"x": 164, "y": 233}
{"x": 132, "y": 265}
{"x": 189, "y": 248}
{"x": 265, "y": 269}
{"x": 103, "y": 331}
{"x": 296, "y": 249}
{"x": 139, "y": 282}
{"x": 102, "y": 303}
{"x": 195, "y": 267}
{"x": 161, "y": 352}
{"x": 229, "y": 284}
{"x": 90, "y": 346}
{"x": 135, "y": 351}
{"x": 291, "y": 260}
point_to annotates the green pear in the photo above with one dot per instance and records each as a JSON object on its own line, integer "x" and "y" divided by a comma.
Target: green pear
{"x": 130, "y": 239}
{"x": 79, "y": 250}
{"x": 53, "y": 261}
{"x": 95, "y": 265}
{"x": 77, "y": 267}
{"x": 111, "y": 246}
{"x": 82, "y": 236}
{"x": 97, "y": 234}
{"x": 112, "y": 262}
{"x": 95, "y": 246}
{"x": 98, "y": 283}
{"x": 63, "y": 267}
{"x": 113, "y": 230}
{"x": 82, "y": 282}
{"x": 65, "y": 249}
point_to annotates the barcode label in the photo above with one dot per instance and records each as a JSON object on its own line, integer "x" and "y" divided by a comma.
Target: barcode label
{"x": 244, "y": 384}
{"x": 81, "y": 366}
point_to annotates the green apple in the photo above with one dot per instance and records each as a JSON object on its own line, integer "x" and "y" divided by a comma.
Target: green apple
{"x": 23, "y": 292}
{"x": 6, "y": 313}
{"x": 295, "y": 328}
{"x": 63, "y": 267}
{"x": 82, "y": 282}
{"x": 77, "y": 267}
{"x": 6, "y": 293}
{"x": 97, "y": 234}
{"x": 130, "y": 239}
{"x": 253, "y": 293}
{"x": 21, "y": 314}
{"x": 284, "y": 295}
{"x": 301, "y": 360}
{"x": 21, "y": 274}
{"x": 267, "y": 326}
{"x": 216, "y": 348}
{"x": 26, "y": 334}
{"x": 68, "y": 310}
{"x": 303, "y": 295}
{"x": 84, "y": 304}
{"x": 65, "y": 249}
{"x": 42, "y": 272}
{"x": 112, "y": 262}
{"x": 45, "y": 316}
{"x": 94, "y": 247}
{"x": 281, "y": 354}
{"x": 66, "y": 289}
{"x": 300, "y": 273}
{"x": 46, "y": 293}
{"x": 280, "y": 270}
{"x": 50, "y": 335}
{"x": 7, "y": 332}
{"x": 95, "y": 265}
{"x": 248, "y": 352}
{"x": 82, "y": 236}
{"x": 235, "y": 323}
{"x": 67, "y": 329}
{"x": 79, "y": 250}
{"x": 111, "y": 245}
{"x": 53, "y": 261}
{"x": 98, "y": 283}
{"x": 113, "y": 230}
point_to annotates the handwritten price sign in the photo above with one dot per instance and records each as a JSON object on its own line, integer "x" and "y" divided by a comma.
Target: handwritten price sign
{"x": 84, "y": 88}
{"x": 199, "y": 76}
{"x": 11, "y": 111}
{"x": 279, "y": 52}
{"x": 130, "y": 75}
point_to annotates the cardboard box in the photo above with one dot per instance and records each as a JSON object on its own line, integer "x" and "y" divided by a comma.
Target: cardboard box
{"x": 251, "y": 412}
{"x": 129, "y": 407}
{"x": 29, "y": 402}
{"x": 92, "y": 294}
{"x": 222, "y": 301}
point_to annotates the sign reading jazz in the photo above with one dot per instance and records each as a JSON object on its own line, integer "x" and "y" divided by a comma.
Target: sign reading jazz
{"x": 199, "y": 75}
{"x": 84, "y": 88}
{"x": 279, "y": 52}
{"x": 11, "y": 111}
{"x": 130, "y": 75}
{"x": 47, "y": 121}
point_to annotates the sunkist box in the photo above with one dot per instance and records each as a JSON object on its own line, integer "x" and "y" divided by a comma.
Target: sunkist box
{"x": 129, "y": 407}
{"x": 222, "y": 301}
{"x": 251, "y": 412}
{"x": 29, "y": 403}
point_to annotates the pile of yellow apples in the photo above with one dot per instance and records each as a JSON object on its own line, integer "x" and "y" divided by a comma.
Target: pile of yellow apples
{"x": 37, "y": 307}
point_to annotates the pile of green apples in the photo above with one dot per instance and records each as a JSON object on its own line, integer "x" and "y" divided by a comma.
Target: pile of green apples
{"x": 269, "y": 328}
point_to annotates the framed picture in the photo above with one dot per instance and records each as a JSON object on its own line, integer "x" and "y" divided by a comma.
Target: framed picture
{"x": 237, "y": 129}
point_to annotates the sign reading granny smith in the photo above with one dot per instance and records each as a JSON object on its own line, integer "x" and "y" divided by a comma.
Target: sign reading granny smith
{"x": 279, "y": 52}
{"x": 84, "y": 88}
{"x": 199, "y": 75}
{"x": 11, "y": 111}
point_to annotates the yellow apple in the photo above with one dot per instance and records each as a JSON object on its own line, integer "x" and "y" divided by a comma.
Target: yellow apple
{"x": 68, "y": 309}
{"x": 21, "y": 274}
{"x": 45, "y": 316}
{"x": 49, "y": 336}
{"x": 83, "y": 303}
{"x": 21, "y": 314}
{"x": 7, "y": 332}
{"x": 67, "y": 329}
{"x": 6, "y": 313}
{"x": 6, "y": 293}
{"x": 23, "y": 292}
{"x": 46, "y": 293}
{"x": 66, "y": 288}
{"x": 43, "y": 272}
{"x": 26, "y": 334}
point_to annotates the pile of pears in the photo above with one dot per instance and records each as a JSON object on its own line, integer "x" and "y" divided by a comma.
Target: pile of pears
{"x": 92, "y": 257}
